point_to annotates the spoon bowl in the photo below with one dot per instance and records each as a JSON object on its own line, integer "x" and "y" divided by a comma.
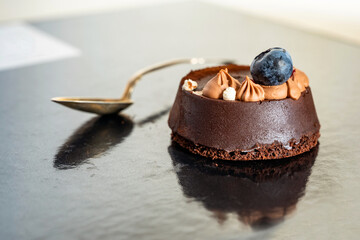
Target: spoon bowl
{"x": 103, "y": 106}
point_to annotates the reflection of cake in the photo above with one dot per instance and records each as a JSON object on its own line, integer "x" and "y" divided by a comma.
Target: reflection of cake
{"x": 261, "y": 193}
{"x": 221, "y": 113}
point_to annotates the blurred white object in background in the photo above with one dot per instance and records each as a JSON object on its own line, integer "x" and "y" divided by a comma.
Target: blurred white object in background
{"x": 336, "y": 18}
{"x": 23, "y": 45}
{"x": 340, "y": 19}
{"x": 40, "y": 9}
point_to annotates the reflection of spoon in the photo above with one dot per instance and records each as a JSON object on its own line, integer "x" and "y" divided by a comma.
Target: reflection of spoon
{"x": 261, "y": 193}
{"x": 92, "y": 139}
{"x": 110, "y": 106}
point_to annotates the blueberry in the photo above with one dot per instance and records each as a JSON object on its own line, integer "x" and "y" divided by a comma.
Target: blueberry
{"x": 272, "y": 67}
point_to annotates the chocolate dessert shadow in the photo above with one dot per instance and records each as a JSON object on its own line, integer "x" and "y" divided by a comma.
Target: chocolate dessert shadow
{"x": 93, "y": 139}
{"x": 260, "y": 193}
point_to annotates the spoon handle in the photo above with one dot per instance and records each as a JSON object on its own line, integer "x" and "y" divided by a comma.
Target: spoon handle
{"x": 138, "y": 75}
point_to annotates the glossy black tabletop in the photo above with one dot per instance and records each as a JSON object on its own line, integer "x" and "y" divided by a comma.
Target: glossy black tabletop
{"x": 66, "y": 174}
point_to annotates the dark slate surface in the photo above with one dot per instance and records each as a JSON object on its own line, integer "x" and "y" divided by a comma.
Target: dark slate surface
{"x": 70, "y": 175}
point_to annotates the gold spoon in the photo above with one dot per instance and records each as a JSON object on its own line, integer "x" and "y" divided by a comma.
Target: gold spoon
{"x": 104, "y": 106}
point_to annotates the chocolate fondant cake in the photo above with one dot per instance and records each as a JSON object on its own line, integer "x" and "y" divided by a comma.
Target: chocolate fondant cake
{"x": 221, "y": 113}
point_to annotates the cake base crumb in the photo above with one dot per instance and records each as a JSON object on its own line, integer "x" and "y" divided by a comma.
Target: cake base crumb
{"x": 263, "y": 152}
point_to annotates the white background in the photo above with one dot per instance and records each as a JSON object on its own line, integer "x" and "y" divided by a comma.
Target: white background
{"x": 340, "y": 19}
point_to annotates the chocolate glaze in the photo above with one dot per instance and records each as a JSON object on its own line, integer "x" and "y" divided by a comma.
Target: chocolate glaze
{"x": 237, "y": 125}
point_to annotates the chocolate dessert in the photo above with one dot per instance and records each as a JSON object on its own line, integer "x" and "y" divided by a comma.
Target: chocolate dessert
{"x": 220, "y": 113}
